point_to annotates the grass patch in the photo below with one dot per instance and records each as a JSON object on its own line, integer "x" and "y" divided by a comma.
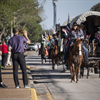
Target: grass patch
{"x": 1, "y": 67}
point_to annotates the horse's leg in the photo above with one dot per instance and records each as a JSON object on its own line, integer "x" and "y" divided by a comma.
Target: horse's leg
{"x": 74, "y": 70}
{"x": 76, "y": 75}
{"x": 82, "y": 70}
{"x": 49, "y": 60}
{"x": 45, "y": 58}
{"x": 55, "y": 62}
{"x": 52, "y": 63}
{"x": 71, "y": 71}
{"x": 42, "y": 60}
{"x": 78, "y": 72}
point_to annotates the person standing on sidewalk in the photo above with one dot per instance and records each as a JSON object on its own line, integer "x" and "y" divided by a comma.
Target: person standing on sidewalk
{"x": 4, "y": 49}
{"x": 1, "y": 83}
{"x": 0, "y": 52}
{"x": 17, "y": 45}
{"x": 8, "y": 58}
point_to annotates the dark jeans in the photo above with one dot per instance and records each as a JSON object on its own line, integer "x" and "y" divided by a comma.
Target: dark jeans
{"x": 0, "y": 76}
{"x": 4, "y": 59}
{"x": 18, "y": 59}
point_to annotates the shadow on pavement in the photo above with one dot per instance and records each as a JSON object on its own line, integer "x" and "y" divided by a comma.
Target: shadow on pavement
{"x": 38, "y": 64}
{"x": 39, "y": 77}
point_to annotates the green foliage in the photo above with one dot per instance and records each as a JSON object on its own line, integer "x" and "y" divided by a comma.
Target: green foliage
{"x": 22, "y": 14}
{"x": 96, "y": 7}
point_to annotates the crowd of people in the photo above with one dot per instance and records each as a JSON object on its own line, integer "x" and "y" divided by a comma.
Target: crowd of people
{"x": 76, "y": 32}
{"x": 15, "y": 49}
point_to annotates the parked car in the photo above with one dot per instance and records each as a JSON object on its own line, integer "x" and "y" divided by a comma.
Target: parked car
{"x": 32, "y": 46}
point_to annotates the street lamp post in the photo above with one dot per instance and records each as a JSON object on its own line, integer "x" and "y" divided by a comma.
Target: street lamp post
{"x": 54, "y": 5}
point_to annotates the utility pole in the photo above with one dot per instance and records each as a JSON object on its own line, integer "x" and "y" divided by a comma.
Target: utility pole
{"x": 54, "y": 5}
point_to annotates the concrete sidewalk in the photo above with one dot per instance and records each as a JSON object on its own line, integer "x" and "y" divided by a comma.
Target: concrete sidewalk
{"x": 11, "y": 93}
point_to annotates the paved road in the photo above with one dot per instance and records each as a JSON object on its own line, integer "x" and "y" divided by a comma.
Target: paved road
{"x": 56, "y": 85}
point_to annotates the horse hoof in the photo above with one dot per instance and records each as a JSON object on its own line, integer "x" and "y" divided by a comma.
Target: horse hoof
{"x": 76, "y": 81}
{"x": 71, "y": 81}
{"x": 55, "y": 66}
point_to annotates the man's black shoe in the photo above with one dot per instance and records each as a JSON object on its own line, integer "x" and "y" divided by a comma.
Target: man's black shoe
{"x": 3, "y": 85}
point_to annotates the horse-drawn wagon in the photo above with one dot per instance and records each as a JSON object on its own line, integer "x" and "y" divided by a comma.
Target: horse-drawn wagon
{"x": 94, "y": 59}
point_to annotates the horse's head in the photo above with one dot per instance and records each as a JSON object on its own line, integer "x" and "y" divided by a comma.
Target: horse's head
{"x": 78, "y": 46}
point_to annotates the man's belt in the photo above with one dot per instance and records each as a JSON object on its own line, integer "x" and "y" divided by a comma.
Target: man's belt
{"x": 18, "y": 52}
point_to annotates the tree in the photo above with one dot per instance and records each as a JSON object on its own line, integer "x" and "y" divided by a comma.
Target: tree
{"x": 96, "y": 7}
{"x": 20, "y": 13}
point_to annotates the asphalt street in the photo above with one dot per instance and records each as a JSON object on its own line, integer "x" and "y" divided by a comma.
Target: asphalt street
{"x": 56, "y": 84}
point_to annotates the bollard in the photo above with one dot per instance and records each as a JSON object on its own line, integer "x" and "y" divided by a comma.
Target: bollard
{"x": 33, "y": 94}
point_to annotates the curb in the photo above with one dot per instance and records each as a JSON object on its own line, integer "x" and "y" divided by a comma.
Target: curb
{"x": 33, "y": 94}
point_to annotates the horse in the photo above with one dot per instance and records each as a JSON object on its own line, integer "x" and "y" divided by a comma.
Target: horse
{"x": 43, "y": 52}
{"x": 54, "y": 56}
{"x": 75, "y": 59}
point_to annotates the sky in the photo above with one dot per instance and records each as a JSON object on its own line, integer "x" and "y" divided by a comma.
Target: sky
{"x": 73, "y": 7}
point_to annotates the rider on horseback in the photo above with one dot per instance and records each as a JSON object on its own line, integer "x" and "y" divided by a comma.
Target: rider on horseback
{"x": 43, "y": 42}
{"x": 75, "y": 33}
{"x": 54, "y": 40}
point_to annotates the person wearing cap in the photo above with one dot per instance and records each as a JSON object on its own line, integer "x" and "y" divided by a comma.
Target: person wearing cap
{"x": 54, "y": 40}
{"x": 75, "y": 33}
{"x": 43, "y": 42}
{"x": 97, "y": 35}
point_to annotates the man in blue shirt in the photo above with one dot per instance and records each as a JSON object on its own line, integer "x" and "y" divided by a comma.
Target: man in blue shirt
{"x": 17, "y": 45}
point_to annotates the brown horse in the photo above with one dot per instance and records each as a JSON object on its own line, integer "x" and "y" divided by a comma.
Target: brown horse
{"x": 43, "y": 52}
{"x": 54, "y": 56}
{"x": 75, "y": 59}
